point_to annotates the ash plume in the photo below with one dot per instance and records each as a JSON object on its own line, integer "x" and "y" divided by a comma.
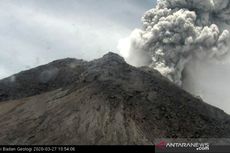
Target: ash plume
{"x": 177, "y": 32}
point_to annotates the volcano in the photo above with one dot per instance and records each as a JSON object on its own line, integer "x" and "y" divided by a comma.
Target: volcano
{"x": 101, "y": 102}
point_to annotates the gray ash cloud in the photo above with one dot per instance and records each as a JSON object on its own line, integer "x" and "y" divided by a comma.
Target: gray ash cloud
{"x": 176, "y": 32}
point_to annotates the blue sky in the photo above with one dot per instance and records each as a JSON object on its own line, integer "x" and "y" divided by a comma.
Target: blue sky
{"x": 36, "y": 32}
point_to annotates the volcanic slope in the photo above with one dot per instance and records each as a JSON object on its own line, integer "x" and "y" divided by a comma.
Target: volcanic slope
{"x": 104, "y": 101}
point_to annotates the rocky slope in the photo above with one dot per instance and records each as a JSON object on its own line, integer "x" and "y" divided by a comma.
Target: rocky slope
{"x": 105, "y": 101}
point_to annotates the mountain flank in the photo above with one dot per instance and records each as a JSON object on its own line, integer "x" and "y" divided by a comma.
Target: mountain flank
{"x": 104, "y": 101}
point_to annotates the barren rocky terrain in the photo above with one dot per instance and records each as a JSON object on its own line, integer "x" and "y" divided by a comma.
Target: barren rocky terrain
{"x": 105, "y": 101}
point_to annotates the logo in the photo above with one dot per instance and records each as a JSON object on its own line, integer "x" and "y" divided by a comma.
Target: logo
{"x": 161, "y": 145}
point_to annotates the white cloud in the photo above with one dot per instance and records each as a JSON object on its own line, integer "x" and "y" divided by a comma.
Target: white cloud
{"x": 36, "y": 32}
